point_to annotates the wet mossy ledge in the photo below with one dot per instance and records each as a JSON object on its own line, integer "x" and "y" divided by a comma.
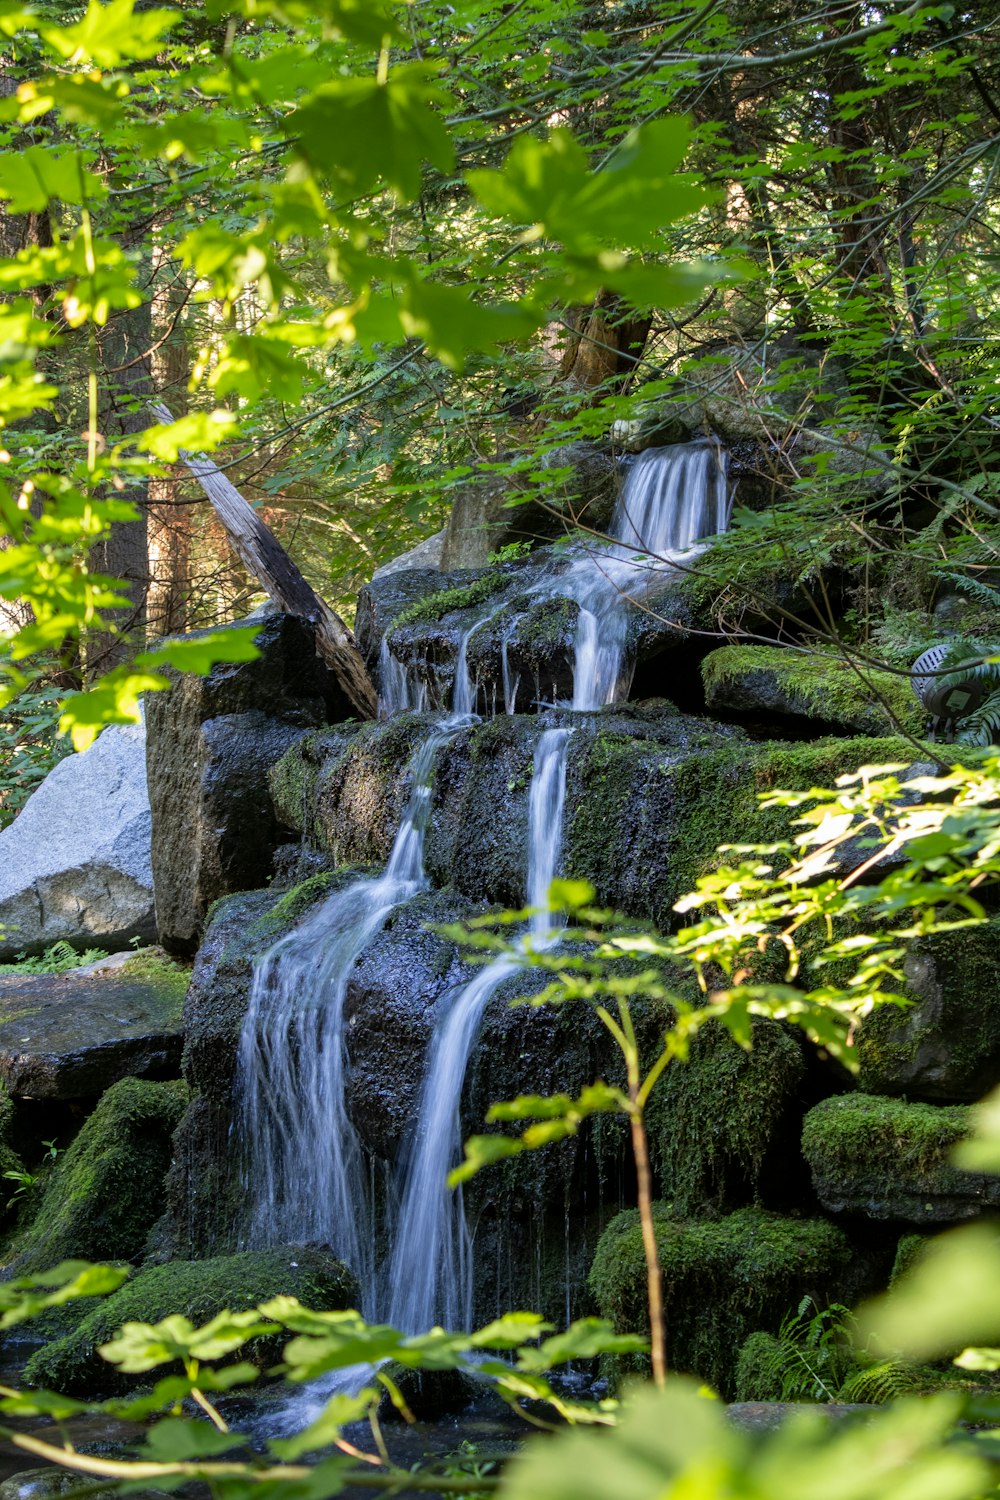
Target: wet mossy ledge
{"x": 723, "y": 1279}
{"x": 649, "y": 799}
{"x": 755, "y": 680}
{"x": 885, "y": 1158}
{"x": 198, "y": 1290}
{"x": 105, "y": 1191}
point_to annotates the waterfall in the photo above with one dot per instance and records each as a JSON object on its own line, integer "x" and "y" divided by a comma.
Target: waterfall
{"x": 305, "y": 1172}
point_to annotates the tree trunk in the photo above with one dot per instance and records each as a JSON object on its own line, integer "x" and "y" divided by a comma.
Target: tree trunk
{"x": 606, "y": 343}
{"x": 167, "y": 604}
{"x": 264, "y": 557}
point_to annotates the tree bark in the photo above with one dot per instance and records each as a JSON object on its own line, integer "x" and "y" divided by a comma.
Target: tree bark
{"x": 264, "y": 557}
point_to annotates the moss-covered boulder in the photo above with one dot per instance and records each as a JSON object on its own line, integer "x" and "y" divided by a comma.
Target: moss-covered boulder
{"x": 723, "y": 1279}
{"x": 198, "y": 1290}
{"x": 769, "y": 680}
{"x": 946, "y": 1044}
{"x": 888, "y": 1159}
{"x": 724, "y": 1126}
{"x": 107, "y": 1189}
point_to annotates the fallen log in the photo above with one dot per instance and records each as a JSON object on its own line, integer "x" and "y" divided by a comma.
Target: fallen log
{"x": 263, "y": 556}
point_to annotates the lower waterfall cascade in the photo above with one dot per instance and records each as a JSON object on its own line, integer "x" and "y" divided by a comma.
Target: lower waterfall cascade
{"x": 305, "y": 1175}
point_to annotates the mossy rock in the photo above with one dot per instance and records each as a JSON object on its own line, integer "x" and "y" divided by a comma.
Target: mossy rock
{"x": 723, "y": 1279}
{"x": 946, "y": 1045}
{"x": 106, "y": 1190}
{"x": 724, "y": 1125}
{"x": 888, "y": 1159}
{"x": 197, "y": 1289}
{"x": 644, "y": 821}
{"x": 756, "y": 680}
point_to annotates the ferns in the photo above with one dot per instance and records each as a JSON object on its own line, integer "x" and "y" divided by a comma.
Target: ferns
{"x": 877, "y": 1384}
{"x": 807, "y": 1360}
{"x": 982, "y": 726}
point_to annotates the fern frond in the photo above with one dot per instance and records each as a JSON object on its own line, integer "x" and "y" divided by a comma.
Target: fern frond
{"x": 982, "y": 726}
{"x": 973, "y": 589}
{"x": 878, "y": 1384}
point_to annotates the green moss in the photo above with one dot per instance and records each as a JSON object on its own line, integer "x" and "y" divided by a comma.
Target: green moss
{"x": 106, "y": 1190}
{"x": 644, "y": 821}
{"x": 821, "y": 686}
{"x": 198, "y": 1290}
{"x": 891, "y": 1137}
{"x": 723, "y": 1279}
{"x": 447, "y": 601}
{"x": 300, "y": 898}
{"x": 156, "y": 968}
{"x": 725, "y": 1121}
{"x": 760, "y": 1369}
{"x": 907, "y": 1251}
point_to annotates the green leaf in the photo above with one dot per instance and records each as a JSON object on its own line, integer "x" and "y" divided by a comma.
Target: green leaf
{"x": 549, "y": 185}
{"x": 326, "y": 1429}
{"x": 453, "y": 326}
{"x": 35, "y": 176}
{"x": 364, "y": 135}
{"x": 179, "y": 1439}
{"x": 946, "y": 1301}
{"x": 144, "y": 1346}
{"x": 196, "y": 432}
{"x": 27, "y": 1296}
{"x": 200, "y": 653}
{"x": 110, "y": 34}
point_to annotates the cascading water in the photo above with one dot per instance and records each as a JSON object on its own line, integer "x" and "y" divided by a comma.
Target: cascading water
{"x": 305, "y": 1159}
{"x": 305, "y": 1173}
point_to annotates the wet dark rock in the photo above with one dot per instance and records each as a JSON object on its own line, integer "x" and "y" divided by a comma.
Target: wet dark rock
{"x": 75, "y": 864}
{"x": 71, "y": 1036}
{"x": 887, "y": 1159}
{"x": 586, "y": 496}
{"x": 197, "y": 1290}
{"x": 946, "y": 1045}
{"x": 429, "y": 1394}
{"x": 211, "y": 741}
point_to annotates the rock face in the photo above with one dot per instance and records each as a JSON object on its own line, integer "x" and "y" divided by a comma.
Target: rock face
{"x": 889, "y": 1160}
{"x": 946, "y": 1045}
{"x": 75, "y": 865}
{"x": 67, "y": 1036}
{"x": 211, "y": 742}
{"x": 482, "y": 520}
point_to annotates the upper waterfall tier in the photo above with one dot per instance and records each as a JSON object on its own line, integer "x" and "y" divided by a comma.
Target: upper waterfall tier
{"x": 570, "y": 623}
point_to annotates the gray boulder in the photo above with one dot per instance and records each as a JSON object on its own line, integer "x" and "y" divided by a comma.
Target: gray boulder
{"x": 212, "y": 741}
{"x": 75, "y": 864}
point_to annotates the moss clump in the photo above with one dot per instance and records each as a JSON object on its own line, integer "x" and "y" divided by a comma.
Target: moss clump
{"x": 905, "y": 1138}
{"x": 448, "y": 601}
{"x": 760, "y": 1369}
{"x": 723, "y": 1279}
{"x": 106, "y": 1191}
{"x": 724, "y": 1122}
{"x": 890, "y": 1159}
{"x": 198, "y": 1289}
{"x": 294, "y": 903}
{"x": 815, "y": 686}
